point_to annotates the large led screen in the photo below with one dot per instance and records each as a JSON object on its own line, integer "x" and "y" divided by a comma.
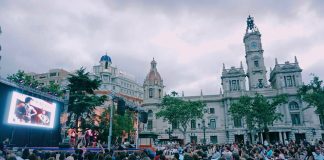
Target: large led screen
{"x": 31, "y": 111}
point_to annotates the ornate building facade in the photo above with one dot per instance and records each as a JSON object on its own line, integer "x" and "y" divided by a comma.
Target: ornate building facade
{"x": 113, "y": 79}
{"x": 220, "y": 127}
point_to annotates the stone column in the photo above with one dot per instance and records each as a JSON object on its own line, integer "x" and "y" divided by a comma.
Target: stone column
{"x": 261, "y": 138}
{"x": 287, "y": 113}
{"x": 280, "y": 137}
{"x": 285, "y": 136}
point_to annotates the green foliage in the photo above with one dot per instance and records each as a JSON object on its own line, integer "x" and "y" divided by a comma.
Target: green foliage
{"x": 123, "y": 123}
{"x": 176, "y": 110}
{"x": 243, "y": 109}
{"x": 54, "y": 89}
{"x": 313, "y": 94}
{"x": 120, "y": 124}
{"x": 257, "y": 111}
{"x": 82, "y": 100}
{"x": 104, "y": 125}
{"x": 22, "y": 78}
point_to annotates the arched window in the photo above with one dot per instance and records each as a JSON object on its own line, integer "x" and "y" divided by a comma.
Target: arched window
{"x": 150, "y": 113}
{"x": 151, "y": 93}
{"x": 293, "y": 106}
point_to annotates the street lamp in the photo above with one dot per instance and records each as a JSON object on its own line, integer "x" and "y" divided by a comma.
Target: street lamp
{"x": 204, "y": 129}
{"x": 169, "y": 131}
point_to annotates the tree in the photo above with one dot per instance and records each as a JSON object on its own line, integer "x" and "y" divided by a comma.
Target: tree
{"x": 22, "y": 78}
{"x": 258, "y": 111}
{"x": 178, "y": 111}
{"x": 313, "y": 94}
{"x": 121, "y": 124}
{"x": 83, "y": 100}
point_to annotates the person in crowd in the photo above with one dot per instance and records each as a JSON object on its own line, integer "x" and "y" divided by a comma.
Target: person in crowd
{"x": 25, "y": 111}
{"x": 43, "y": 118}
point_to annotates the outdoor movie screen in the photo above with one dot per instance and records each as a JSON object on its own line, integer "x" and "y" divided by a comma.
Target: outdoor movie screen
{"x": 31, "y": 111}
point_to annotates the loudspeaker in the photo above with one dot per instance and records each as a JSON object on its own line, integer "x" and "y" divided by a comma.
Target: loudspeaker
{"x": 121, "y": 107}
{"x": 64, "y": 145}
{"x": 143, "y": 117}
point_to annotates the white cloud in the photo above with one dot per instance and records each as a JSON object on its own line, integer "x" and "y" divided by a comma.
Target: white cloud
{"x": 189, "y": 39}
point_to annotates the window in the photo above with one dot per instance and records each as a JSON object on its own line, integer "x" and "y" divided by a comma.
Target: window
{"x": 290, "y": 81}
{"x": 193, "y": 139}
{"x": 151, "y": 93}
{"x": 213, "y": 139}
{"x": 293, "y": 106}
{"x": 212, "y": 123}
{"x": 321, "y": 120}
{"x": 212, "y": 110}
{"x": 256, "y": 63}
{"x": 237, "y": 122}
{"x": 175, "y": 125}
{"x": 295, "y": 118}
{"x": 160, "y": 93}
{"x": 234, "y": 85}
{"x": 52, "y": 74}
{"x": 193, "y": 124}
{"x": 42, "y": 77}
{"x": 105, "y": 78}
{"x": 150, "y": 113}
{"x": 150, "y": 124}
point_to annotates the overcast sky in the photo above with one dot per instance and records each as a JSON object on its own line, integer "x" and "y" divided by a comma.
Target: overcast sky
{"x": 189, "y": 39}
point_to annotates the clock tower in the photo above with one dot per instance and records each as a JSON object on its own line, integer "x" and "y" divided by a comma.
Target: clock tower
{"x": 256, "y": 70}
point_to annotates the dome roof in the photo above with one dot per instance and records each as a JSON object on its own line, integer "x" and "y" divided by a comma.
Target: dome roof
{"x": 105, "y": 58}
{"x": 153, "y": 77}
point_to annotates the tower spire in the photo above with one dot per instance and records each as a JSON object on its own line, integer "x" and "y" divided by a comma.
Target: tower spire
{"x": 296, "y": 61}
{"x": 241, "y": 65}
{"x": 153, "y": 64}
{"x": 276, "y": 61}
{"x": 223, "y": 66}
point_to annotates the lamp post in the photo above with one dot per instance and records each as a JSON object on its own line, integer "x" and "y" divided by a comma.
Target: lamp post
{"x": 204, "y": 130}
{"x": 169, "y": 131}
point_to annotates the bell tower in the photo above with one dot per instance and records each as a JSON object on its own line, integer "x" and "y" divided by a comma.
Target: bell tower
{"x": 153, "y": 85}
{"x": 256, "y": 70}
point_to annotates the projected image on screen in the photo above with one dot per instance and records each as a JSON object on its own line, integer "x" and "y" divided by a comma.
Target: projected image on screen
{"x": 31, "y": 111}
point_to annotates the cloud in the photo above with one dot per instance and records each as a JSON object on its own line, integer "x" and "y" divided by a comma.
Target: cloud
{"x": 189, "y": 39}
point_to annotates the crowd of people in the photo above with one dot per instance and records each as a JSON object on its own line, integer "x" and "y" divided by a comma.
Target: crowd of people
{"x": 173, "y": 151}
{"x": 88, "y": 138}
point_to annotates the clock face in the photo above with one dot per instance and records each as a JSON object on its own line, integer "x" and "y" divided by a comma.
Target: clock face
{"x": 253, "y": 45}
